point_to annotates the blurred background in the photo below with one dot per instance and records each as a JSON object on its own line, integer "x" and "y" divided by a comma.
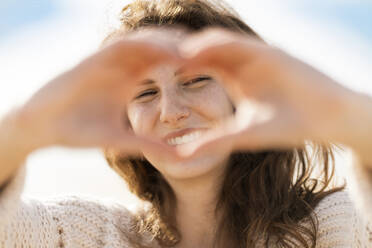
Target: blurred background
{"x": 40, "y": 39}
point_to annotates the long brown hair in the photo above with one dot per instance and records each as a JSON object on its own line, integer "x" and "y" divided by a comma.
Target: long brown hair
{"x": 266, "y": 196}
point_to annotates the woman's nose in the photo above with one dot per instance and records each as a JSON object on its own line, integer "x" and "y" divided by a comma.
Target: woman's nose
{"x": 172, "y": 110}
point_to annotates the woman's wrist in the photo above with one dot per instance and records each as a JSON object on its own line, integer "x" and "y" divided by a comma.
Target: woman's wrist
{"x": 14, "y": 137}
{"x": 14, "y": 148}
{"x": 357, "y": 133}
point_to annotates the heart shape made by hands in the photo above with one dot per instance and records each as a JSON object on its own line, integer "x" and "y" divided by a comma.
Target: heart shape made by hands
{"x": 280, "y": 101}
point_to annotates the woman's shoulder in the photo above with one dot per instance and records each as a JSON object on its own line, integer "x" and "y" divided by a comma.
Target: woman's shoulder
{"x": 88, "y": 209}
{"x": 69, "y": 221}
{"x": 335, "y": 203}
{"x": 80, "y": 221}
{"x": 85, "y": 203}
{"x": 105, "y": 219}
{"x": 340, "y": 223}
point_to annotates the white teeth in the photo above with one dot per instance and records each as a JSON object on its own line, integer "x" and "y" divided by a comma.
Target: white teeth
{"x": 184, "y": 139}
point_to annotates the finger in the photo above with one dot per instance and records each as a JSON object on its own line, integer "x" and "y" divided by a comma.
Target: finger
{"x": 126, "y": 67}
{"x": 166, "y": 37}
{"x": 222, "y": 143}
{"x": 214, "y": 37}
{"x": 213, "y": 141}
{"x": 224, "y": 58}
{"x": 126, "y": 142}
{"x": 134, "y": 144}
{"x": 272, "y": 134}
{"x": 139, "y": 52}
{"x": 118, "y": 134}
{"x": 223, "y": 43}
{"x": 268, "y": 135}
{"x": 143, "y": 62}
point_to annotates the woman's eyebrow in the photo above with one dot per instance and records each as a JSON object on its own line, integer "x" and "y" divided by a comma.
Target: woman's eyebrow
{"x": 147, "y": 81}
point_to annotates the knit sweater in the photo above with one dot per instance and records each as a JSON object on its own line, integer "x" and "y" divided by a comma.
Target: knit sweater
{"x": 80, "y": 222}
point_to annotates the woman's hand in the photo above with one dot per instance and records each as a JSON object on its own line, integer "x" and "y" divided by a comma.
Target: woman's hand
{"x": 280, "y": 101}
{"x": 86, "y": 106}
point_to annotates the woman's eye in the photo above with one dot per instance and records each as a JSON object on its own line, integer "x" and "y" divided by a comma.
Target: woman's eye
{"x": 197, "y": 82}
{"x": 146, "y": 94}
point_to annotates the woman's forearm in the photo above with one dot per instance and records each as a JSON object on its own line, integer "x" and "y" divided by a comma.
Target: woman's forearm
{"x": 14, "y": 147}
{"x": 359, "y": 130}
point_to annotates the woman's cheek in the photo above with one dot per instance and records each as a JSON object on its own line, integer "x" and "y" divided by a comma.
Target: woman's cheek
{"x": 141, "y": 116}
{"x": 213, "y": 102}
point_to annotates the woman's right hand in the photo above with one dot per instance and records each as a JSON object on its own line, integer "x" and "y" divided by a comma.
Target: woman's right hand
{"x": 85, "y": 107}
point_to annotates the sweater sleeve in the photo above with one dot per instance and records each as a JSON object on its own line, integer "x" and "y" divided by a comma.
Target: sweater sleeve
{"x": 24, "y": 223}
{"x": 340, "y": 224}
{"x": 10, "y": 195}
{"x": 65, "y": 221}
{"x": 360, "y": 185}
{"x": 86, "y": 222}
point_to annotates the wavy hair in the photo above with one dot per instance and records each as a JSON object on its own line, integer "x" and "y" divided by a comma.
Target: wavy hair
{"x": 267, "y": 196}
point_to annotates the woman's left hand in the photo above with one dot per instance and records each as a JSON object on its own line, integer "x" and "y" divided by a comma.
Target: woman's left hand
{"x": 280, "y": 101}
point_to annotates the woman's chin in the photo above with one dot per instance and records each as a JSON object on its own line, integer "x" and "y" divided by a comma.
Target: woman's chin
{"x": 189, "y": 168}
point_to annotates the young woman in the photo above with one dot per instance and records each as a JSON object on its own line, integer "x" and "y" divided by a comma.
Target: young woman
{"x": 218, "y": 132}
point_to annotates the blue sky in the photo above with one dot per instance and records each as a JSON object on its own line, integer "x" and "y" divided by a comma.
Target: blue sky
{"x": 352, "y": 15}
{"x": 17, "y": 14}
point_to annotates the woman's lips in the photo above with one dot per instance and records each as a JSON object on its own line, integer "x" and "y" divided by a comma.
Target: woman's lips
{"x": 183, "y": 136}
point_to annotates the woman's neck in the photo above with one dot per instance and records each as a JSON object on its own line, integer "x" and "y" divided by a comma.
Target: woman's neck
{"x": 196, "y": 204}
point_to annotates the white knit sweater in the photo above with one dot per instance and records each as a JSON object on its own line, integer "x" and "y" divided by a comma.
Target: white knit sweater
{"x": 78, "y": 222}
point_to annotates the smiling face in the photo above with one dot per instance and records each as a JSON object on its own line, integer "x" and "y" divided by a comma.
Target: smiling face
{"x": 177, "y": 109}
